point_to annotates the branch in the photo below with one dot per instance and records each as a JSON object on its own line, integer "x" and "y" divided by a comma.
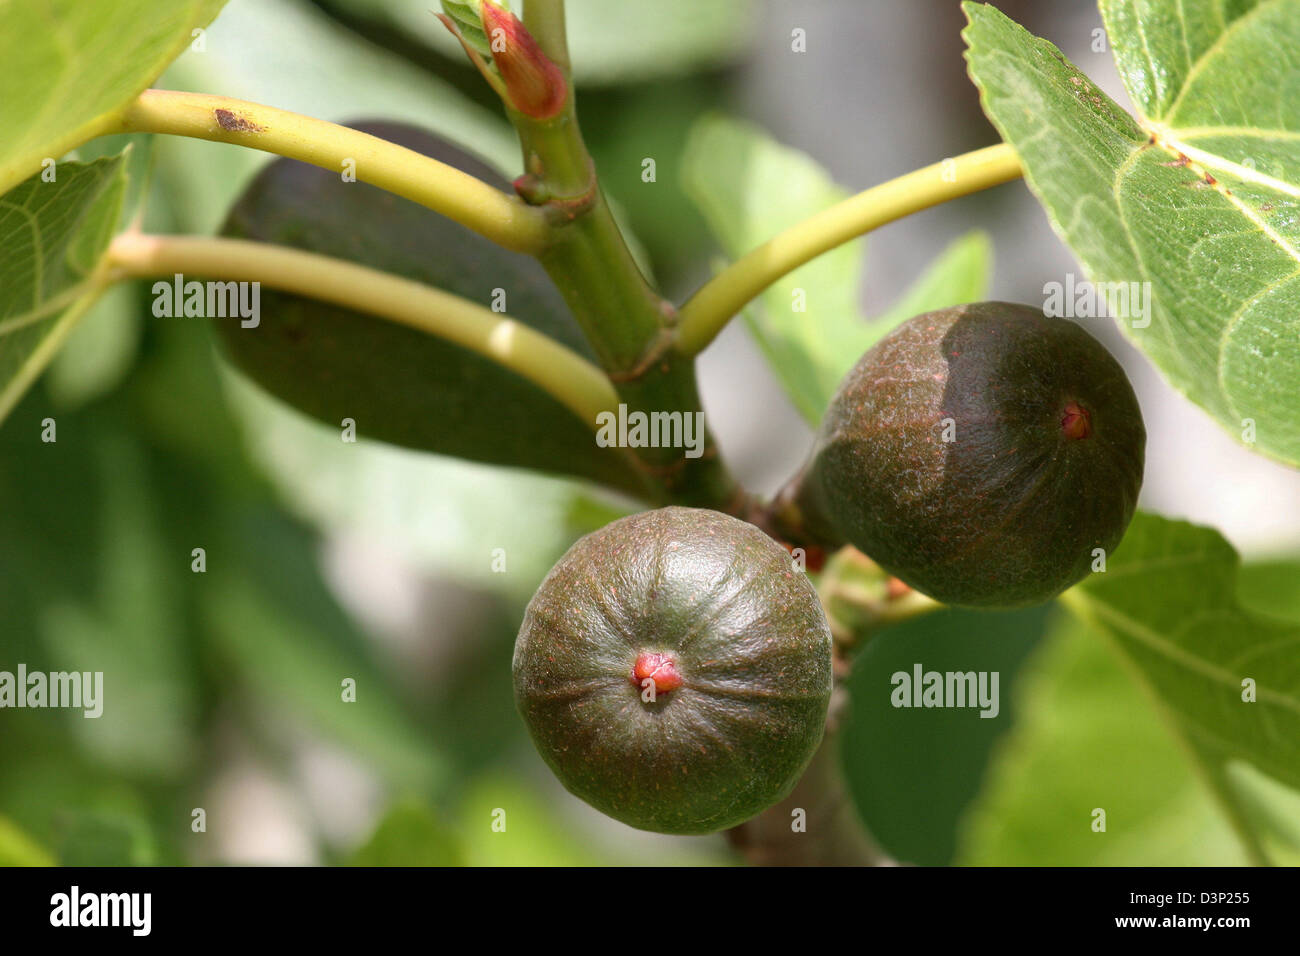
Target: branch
{"x": 709, "y": 310}
{"x": 561, "y": 373}
{"x": 491, "y": 213}
{"x": 627, "y": 322}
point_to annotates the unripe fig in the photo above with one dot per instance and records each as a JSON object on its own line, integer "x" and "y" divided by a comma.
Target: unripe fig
{"x": 674, "y": 670}
{"x": 985, "y": 454}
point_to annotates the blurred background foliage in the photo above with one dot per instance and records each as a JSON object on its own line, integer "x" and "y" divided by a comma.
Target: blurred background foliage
{"x": 328, "y": 561}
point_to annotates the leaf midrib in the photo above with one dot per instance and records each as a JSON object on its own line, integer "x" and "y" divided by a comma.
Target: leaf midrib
{"x": 1178, "y": 655}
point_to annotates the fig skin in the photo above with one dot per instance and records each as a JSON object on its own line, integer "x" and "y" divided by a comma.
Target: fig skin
{"x": 1044, "y": 466}
{"x": 738, "y": 640}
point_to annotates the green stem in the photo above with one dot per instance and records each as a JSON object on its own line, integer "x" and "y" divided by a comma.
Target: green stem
{"x": 861, "y": 599}
{"x": 713, "y": 306}
{"x": 630, "y": 327}
{"x": 544, "y": 19}
{"x": 491, "y": 213}
{"x": 589, "y": 259}
{"x": 563, "y": 374}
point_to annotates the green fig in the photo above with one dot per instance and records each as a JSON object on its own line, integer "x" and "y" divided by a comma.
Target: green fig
{"x": 986, "y": 455}
{"x": 399, "y": 384}
{"x": 674, "y": 670}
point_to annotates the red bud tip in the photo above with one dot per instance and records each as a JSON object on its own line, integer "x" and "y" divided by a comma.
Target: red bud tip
{"x": 1076, "y": 421}
{"x": 536, "y": 86}
{"x": 661, "y": 668}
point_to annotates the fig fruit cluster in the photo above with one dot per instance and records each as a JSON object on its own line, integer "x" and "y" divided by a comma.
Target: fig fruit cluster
{"x": 674, "y": 668}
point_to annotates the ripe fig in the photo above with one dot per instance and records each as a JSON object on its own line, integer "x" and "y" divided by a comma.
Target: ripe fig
{"x": 982, "y": 454}
{"x": 674, "y": 670}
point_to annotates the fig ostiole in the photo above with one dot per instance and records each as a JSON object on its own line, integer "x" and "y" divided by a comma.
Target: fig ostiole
{"x": 987, "y": 455}
{"x": 674, "y": 670}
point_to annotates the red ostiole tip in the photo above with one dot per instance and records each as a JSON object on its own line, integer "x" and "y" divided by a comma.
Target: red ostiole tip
{"x": 1076, "y": 421}
{"x": 661, "y": 668}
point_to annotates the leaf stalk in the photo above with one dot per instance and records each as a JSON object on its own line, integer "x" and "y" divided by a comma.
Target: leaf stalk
{"x": 568, "y": 377}
{"x": 723, "y": 296}
{"x": 506, "y": 220}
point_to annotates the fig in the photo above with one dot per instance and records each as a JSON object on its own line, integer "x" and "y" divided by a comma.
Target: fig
{"x": 674, "y": 670}
{"x": 982, "y": 454}
{"x": 401, "y": 385}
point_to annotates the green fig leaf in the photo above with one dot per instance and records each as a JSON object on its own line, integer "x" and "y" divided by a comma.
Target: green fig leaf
{"x": 1169, "y": 599}
{"x": 960, "y": 275}
{"x": 66, "y": 66}
{"x": 537, "y": 832}
{"x": 1270, "y": 587}
{"x": 399, "y": 385}
{"x": 100, "y": 351}
{"x": 808, "y": 323}
{"x": 1085, "y": 739}
{"x": 53, "y": 235}
{"x": 97, "y": 572}
{"x": 129, "y": 624}
{"x": 1223, "y": 676}
{"x": 1186, "y": 618}
{"x": 749, "y": 188}
{"x": 912, "y": 772}
{"x": 104, "y": 343}
{"x": 1273, "y": 808}
{"x": 1197, "y": 196}
{"x": 468, "y": 17}
{"x": 625, "y": 41}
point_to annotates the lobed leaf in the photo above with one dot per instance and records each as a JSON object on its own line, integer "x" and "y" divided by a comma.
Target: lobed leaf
{"x": 1198, "y": 195}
